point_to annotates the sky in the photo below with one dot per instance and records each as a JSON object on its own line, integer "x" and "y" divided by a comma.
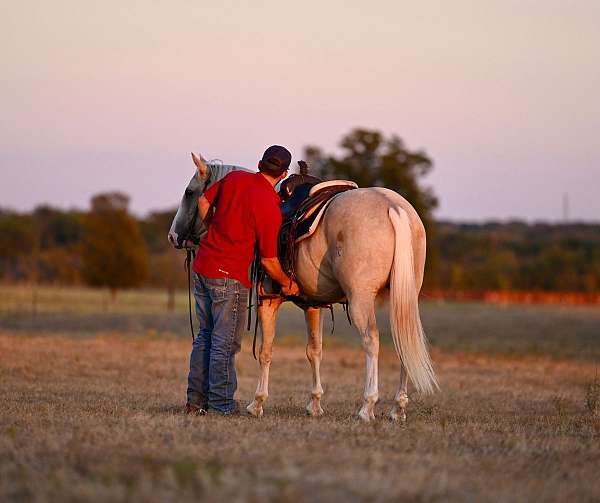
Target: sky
{"x": 502, "y": 95}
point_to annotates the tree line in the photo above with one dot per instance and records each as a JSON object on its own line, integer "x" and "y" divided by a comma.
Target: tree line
{"x": 117, "y": 250}
{"x": 107, "y": 246}
{"x": 518, "y": 256}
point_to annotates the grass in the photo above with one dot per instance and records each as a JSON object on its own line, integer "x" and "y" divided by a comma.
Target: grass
{"x": 92, "y": 398}
{"x": 27, "y": 300}
{"x": 556, "y": 331}
{"x": 513, "y": 330}
{"x": 100, "y": 419}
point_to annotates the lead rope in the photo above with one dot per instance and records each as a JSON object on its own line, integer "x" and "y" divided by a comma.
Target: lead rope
{"x": 255, "y": 270}
{"x": 332, "y": 318}
{"x": 347, "y": 310}
{"x": 190, "y": 255}
{"x": 258, "y": 281}
{"x": 254, "y": 338}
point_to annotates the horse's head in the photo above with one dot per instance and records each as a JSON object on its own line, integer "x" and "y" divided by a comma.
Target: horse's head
{"x": 187, "y": 229}
{"x": 186, "y": 225}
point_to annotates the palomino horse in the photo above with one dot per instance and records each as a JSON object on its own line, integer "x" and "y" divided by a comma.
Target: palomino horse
{"x": 368, "y": 239}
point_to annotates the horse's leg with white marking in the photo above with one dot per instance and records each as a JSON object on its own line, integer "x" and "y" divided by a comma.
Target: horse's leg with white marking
{"x": 267, "y": 315}
{"x": 362, "y": 312}
{"x": 314, "y": 350}
{"x": 398, "y": 412}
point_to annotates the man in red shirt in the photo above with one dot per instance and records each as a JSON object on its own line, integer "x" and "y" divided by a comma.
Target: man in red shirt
{"x": 239, "y": 211}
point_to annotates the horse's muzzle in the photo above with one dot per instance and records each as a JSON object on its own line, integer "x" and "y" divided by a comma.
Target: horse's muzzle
{"x": 173, "y": 240}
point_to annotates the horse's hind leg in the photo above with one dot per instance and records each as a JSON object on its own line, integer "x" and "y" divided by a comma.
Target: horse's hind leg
{"x": 267, "y": 315}
{"x": 362, "y": 312}
{"x": 314, "y": 349}
{"x": 398, "y": 412}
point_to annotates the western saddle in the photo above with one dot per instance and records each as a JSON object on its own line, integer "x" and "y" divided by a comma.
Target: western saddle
{"x": 304, "y": 199}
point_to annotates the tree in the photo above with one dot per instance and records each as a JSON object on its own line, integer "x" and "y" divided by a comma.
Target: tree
{"x": 165, "y": 261}
{"x": 18, "y": 240}
{"x": 114, "y": 254}
{"x": 154, "y": 229}
{"x": 372, "y": 160}
{"x": 58, "y": 228}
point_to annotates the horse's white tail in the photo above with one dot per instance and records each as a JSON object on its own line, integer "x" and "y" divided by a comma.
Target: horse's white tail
{"x": 407, "y": 331}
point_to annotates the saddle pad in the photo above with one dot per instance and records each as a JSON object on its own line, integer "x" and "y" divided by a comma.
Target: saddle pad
{"x": 315, "y": 222}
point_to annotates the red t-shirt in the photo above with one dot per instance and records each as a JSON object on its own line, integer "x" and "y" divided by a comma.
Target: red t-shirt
{"x": 246, "y": 211}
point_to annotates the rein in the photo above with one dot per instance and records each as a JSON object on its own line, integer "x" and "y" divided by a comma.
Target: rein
{"x": 190, "y": 255}
{"x": 255, "y": 272}
{"x": 189, "y": 258}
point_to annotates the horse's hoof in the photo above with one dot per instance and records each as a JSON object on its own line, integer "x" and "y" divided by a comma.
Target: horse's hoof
{"x": 254, "y": 409}
{"x": 365, "y": 416}
{"x": 314, "y": 411}
{"x": 398, "y": 417}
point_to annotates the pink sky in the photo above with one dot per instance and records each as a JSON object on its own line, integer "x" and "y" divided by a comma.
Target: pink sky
{"x": 109, "y": 95}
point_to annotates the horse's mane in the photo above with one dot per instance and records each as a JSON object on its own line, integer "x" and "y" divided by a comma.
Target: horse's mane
{"x": 218, "y": 170}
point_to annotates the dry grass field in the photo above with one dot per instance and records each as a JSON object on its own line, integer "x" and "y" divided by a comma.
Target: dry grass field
{"x": 91, "y": 410}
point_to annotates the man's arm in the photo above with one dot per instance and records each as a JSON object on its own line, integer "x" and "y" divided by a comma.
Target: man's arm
{"x": 274, "y": 270}
{"x": 203, "y": 210}
{"x": 267, "y": 218}
{"x": 206, "y": 200}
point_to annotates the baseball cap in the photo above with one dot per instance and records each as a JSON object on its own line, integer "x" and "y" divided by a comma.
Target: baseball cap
{"x": 275, "y": 160}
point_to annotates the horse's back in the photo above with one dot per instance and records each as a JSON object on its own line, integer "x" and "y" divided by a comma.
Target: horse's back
{"x": 354, "y": 246}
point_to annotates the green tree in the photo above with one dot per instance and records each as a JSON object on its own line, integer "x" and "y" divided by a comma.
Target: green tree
{"x": 58, "y": 228}
{"x": 114, "y": 254}
{"x": 372, "y": 160}
{"x": 154, "y": 229}
{"x": 18, "y": 240}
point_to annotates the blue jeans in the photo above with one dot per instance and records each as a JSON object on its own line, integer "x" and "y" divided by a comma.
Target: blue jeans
{"x": 221, "y": 310}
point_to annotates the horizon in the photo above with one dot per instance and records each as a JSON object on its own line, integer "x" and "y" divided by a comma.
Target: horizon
{"x": 437, "y": 219}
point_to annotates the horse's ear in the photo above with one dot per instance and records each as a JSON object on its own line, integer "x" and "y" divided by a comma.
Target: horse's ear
{"x": 200, "y": 164}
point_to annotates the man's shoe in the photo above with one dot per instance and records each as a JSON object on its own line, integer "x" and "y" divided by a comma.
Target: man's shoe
{"x": 194, "y": 410}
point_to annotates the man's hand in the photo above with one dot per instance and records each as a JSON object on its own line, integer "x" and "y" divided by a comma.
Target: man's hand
{"x": 273, "y": 268}
{"x": 291, "y": 290}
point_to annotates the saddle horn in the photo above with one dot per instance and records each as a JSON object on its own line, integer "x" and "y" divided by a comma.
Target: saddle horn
{"x": 303, "y": 167}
